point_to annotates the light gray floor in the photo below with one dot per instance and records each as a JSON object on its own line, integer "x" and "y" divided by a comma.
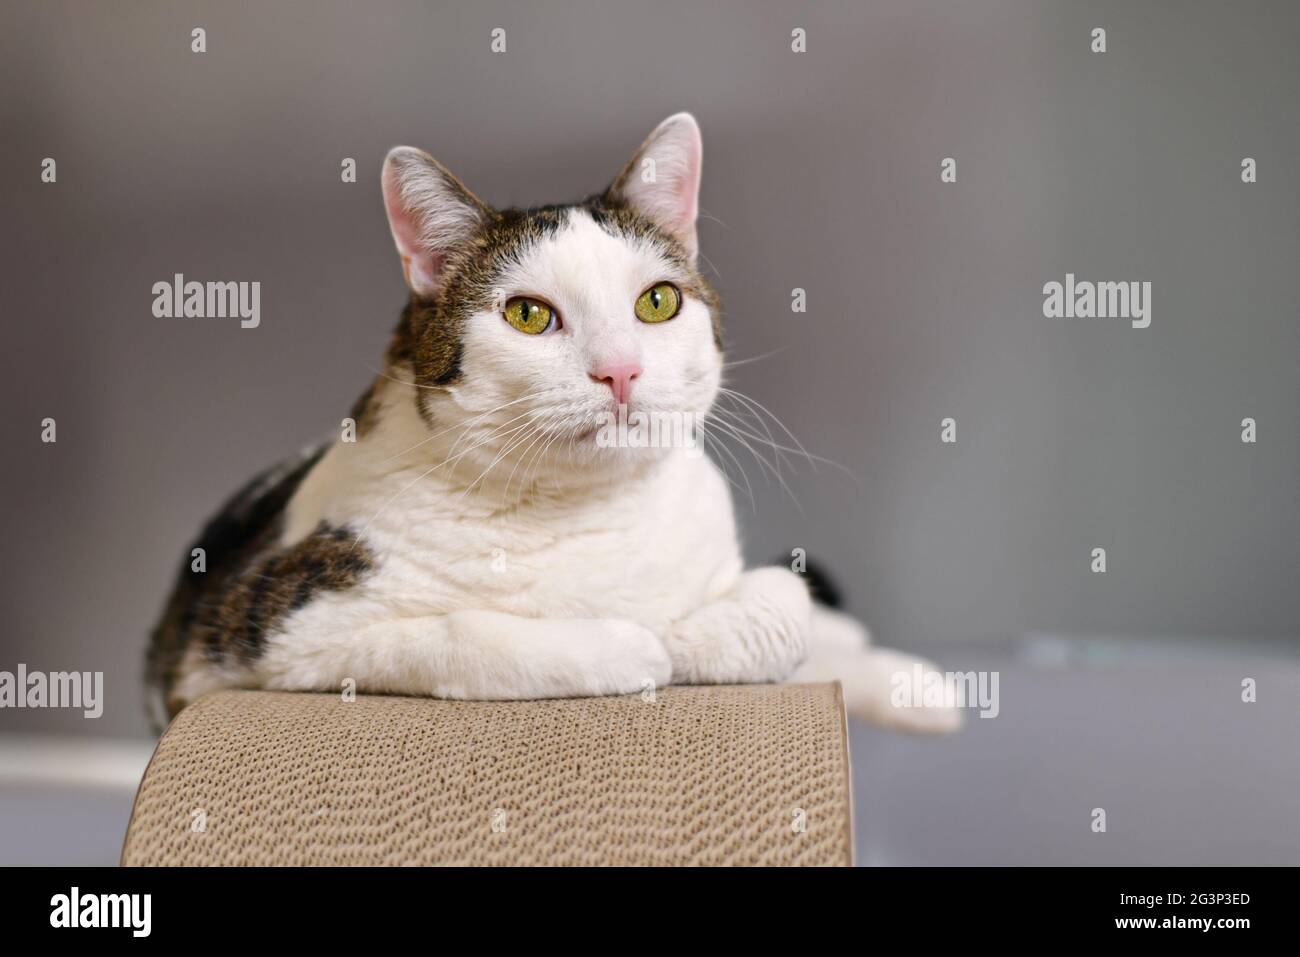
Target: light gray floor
{"x": 1187, "y": 773}
{"x": 47, "y": 826}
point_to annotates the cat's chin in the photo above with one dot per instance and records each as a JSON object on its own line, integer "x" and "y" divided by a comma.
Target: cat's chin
{"x": 590, "y": 459}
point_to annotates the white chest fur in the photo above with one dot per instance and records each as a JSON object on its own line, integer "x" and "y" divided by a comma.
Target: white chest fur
{"x": 648, "y": 548}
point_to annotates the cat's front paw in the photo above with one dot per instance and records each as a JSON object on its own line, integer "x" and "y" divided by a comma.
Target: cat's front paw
{"x": 492, "y": 655}
{"x": 632, "y": 659}
{"x": 779, "y": 602}
{"x": 758, "y": 632}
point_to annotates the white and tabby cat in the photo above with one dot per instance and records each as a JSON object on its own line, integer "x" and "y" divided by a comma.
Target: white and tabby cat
{"x": 476, "y": 540}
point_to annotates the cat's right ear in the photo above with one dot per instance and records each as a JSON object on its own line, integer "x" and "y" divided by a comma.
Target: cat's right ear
{"x": 430, "y": 213}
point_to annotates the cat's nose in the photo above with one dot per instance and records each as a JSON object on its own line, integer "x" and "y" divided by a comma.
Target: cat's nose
{"x": 618, "y": 376}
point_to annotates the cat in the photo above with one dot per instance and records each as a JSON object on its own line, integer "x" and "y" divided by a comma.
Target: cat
{"x": 475, "y": 539}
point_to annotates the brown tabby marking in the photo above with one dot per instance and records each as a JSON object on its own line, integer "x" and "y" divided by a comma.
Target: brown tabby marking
{"x": 250, "y": 586}
{"x": 258, "y": 602}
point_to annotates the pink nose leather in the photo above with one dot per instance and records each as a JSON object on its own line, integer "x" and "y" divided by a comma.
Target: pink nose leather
{"x": 618, "y": 376}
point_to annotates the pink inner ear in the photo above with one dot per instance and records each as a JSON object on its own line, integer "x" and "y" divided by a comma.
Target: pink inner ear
{"x": 419, "y": 264}
{"x": 673, "y": 200}
{"x": 687, "y": 182}
{"x": 674, "y": 203}
{"x": 687, "y": 202}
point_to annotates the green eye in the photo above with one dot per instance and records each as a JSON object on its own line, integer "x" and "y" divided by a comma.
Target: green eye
{"x": 529, "y": 315}
{"x": 658, "y": 303}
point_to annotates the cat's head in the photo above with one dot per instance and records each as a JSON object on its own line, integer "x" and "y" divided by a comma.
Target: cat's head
{"x": 552, "y": 317}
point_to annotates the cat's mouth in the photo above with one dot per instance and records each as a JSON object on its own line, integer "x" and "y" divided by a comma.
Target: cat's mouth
{"x": 634, "y": 427}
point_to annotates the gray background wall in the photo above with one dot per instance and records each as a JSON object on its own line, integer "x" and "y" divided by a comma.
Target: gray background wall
{"x": 821, "y": 171}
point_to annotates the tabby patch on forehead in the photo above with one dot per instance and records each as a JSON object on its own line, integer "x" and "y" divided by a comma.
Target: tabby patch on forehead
{"x": 429, "y": 336}
{"x": 454, "y": 248}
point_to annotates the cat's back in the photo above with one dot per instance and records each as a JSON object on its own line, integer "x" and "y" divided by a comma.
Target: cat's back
{"x": 243, "y": 528}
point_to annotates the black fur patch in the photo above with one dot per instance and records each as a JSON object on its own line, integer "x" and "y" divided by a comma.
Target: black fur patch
{"x": 821, "y": 586}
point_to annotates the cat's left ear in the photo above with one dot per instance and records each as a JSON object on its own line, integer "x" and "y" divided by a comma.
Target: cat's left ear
{"x": 662, "y": 181}
{"x": 430, "y": 213}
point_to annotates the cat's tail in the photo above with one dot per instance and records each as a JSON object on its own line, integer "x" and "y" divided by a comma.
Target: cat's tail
{"x": 876, "y": 681}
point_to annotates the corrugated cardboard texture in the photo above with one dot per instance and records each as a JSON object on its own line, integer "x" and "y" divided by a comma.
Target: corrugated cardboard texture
{"x": 753, "y": 774}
